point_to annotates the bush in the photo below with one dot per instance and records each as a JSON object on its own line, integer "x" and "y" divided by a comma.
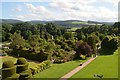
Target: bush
{"x": 21, "y": 61}
{"x": 82, "y": 57}
{"x": 13, "y": 77}
{"x": 33, "y": 70}
{"x": 40, "y": 67}
{"x": 8, "y": 70}
{"x": 25, "y": 75}
{"x": 21, "y": 68}
{"x": 7, "y": 64}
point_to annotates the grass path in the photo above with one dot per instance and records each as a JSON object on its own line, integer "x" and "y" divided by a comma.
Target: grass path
{"x": 58, "y": 70}
{"x": 71, "y": 73}
{"x": 107, "y": 65}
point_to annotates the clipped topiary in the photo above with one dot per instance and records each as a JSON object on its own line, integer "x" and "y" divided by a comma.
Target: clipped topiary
{"x": 13, "y": 77}
{"x": 9, "y": 70}
{"x": 22, "y": 65}
{"x": 25, "y": 75}
{"x": 7, "y": 64}
{"x": 22, "y": 69}
{"x": 21, "y": 61}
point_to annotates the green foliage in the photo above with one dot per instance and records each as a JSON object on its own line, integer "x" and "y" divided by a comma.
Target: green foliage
{"x": 92, "y": 40}
{"x": 13, "y": 77}
{"x": 21, "y": 61}
{"x": 68, "y": 35}
{"x": 8, "y": 70}
{"x": 22, "y": 67}
{"x": 81, "y": 36}
{"x": 7, "y": 64}
{"x": 83, "y": 49}
{"x": 105, "y": 43}
{"x": 40, "y": 67}
{"x": 17, "y": 41}
{"x": 109, "y": 44}
{"x": 34, "y": 42}
{"x": 25, "y": 75}
{"x": 82, "y": 57}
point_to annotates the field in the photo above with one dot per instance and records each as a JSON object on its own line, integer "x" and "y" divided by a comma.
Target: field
{"x": 58, "y": 70}
{"x": 107, "y": 65}
{"x": 79, "y": 22}
{"x": 7, "y": 58}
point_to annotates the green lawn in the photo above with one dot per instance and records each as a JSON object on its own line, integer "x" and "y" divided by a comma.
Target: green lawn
{"x": 106, "y": 65}
{"x": 58, "y": 70}
{"x": 31, "y": 64}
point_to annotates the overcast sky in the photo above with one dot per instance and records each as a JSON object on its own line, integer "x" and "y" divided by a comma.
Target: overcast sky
{"x": 97, "y": 10}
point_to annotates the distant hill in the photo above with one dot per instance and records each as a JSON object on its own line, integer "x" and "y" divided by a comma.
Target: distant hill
{"x": 64, "y": 23}
{"x": 10, "y": 21}
{"x": 95, "y": 22}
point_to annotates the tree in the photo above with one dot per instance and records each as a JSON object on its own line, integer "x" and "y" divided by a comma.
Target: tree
{"x": 113, "y": 44}
{"x": 92, "y": 43}
{"x": 68, "y": 35}
{"x": 34, "y": 42}
{"x": 81, "y": 36}
{"x": 6, "y": 28}
{"x": 105, "y": 43}
{"x": 83, "y": 49}
{"x": 17, "y": 41}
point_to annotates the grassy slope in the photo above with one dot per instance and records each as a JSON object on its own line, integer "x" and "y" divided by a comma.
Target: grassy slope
{"x": 58, "y": 70}
{"x": 106, "y": 65}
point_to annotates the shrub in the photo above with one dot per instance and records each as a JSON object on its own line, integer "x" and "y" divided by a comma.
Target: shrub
{"x": 24, "y": 75}
{"x": 22, "y": 69}
{"x": 13, "y": 77}
{"x": 7, "y": 64}
{"x": 33, "y": 70}
{"x": 21, "y": 61}
{"x": 40, "y": 67}
{"x": 8, "y": 70}
{"x": 82, "y": 57}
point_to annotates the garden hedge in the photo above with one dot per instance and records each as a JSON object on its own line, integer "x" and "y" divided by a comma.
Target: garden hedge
{"x": 40, "y": 67}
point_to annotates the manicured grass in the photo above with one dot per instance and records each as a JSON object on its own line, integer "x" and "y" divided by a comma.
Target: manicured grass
{"x": 58, "y": 70}
{"x": 106, "y": 65}
{"x": 6, "y": 58}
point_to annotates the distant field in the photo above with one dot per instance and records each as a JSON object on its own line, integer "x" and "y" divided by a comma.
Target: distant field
{"x": 79, "y": 22}
{"x": 106, "y": 65}
{"x": 8, "y": 58}
{"x": 73, "y": 29}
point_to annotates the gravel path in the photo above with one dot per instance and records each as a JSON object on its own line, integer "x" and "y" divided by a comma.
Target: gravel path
{"x": 71, "y": 73}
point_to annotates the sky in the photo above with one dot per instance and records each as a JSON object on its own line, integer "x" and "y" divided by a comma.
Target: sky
{"x": 49, "y": 10}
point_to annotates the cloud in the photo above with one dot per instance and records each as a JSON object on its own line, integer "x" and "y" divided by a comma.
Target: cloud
{"x": 70, "y": 9}
{"x": 17, "y": 9}
{"x": 84, "y": 9}
{"x": 20, "y": 17}
{"x": 37, "y": 9}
